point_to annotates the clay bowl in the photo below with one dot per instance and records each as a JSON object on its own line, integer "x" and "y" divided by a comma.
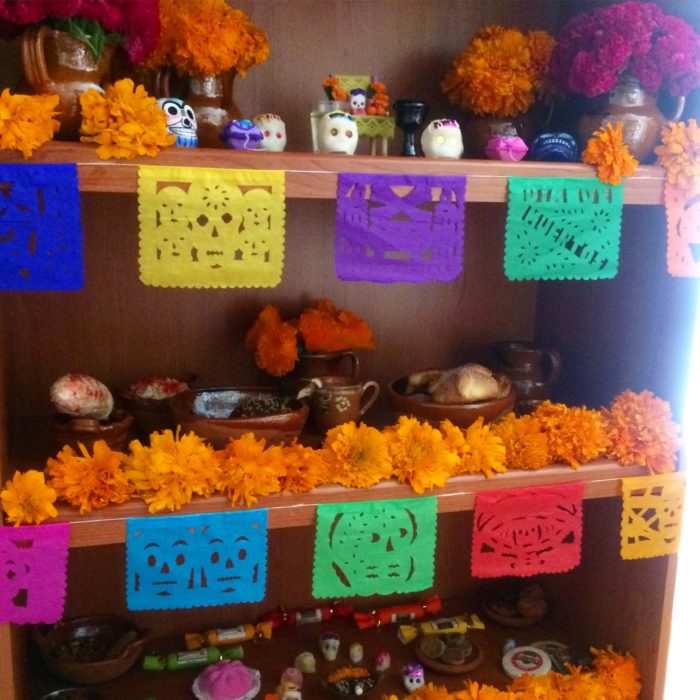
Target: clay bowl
{"x": 71, "y": 430}
{"x": 264, "y": 411}
{"x": 89, "y": 650}
{"x": 461, "y": 415}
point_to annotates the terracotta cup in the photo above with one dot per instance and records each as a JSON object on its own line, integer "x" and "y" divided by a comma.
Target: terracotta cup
{"x": 337, "y": 400}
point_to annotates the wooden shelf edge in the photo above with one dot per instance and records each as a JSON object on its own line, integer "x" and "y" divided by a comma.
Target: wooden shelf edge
{"x": 601, "y": 479}
{"x": 313, "y": 175}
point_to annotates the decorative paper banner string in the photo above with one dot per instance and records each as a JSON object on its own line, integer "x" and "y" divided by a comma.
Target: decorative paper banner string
{"x": 376, "y": 547}
{"x": 209, "y": 227}
{"x": 683, "y": 219}
{"x": 33, "y": 562}
{"x": 184, "y": 561}
{"x": 41, "y": 241}
{"x": 399, "y": 228}
{"x": 521, "y": 532}
{"x": 562, "y": 228}
{"x": 652, "y": 510}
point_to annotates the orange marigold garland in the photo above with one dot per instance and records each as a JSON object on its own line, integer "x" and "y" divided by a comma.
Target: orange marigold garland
{"x": 125, "y": 121}
{"x": 273, "y": 342}
{"x": 641, "y": 430}
{"x": 27, "y": 499}
{"x": 679, "y": 154}
{"x": 479, "y": 447}
{"x": 89, "y": 481}
{"x": 304, "y": 468}
{"x": 525, "y": 442}
{"x": 607, "y": 150}
{"x": 323, "y": 328}
{"x": 26, "y": 121}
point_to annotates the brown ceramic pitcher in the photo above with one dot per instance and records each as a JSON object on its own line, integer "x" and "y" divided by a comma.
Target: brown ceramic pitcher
{"x": 57, "y": 62}
{"x": 315, "y": 364}
{"x": 337, "y": 400}
{"x": 532, "y": 371}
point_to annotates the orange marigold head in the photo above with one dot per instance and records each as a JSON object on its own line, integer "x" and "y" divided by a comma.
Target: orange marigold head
{"x": 679, "y": 154}
{"x": 525, "y": 442}
{"x": 273, "y": 342}
{"x": 27, "y": 499}
{"x": 26, "y": 121}
{"x": 607, "y": 150}
{"x": 323, "y": 328}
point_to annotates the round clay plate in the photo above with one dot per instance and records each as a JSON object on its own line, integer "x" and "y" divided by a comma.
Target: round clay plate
{"x": 474, "y": 660}
{"x": 511, "y": 620}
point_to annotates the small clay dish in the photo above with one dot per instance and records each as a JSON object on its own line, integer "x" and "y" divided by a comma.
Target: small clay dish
{"x": 90, "y": 650}
{"x": 461, "y": 415}
{"x": 70, "y": 430}
{"x": 470, "y": 660}
{"x": 351, "y": 687}
{"x": 222, "y": 413}
{"x": 497, "y": 613}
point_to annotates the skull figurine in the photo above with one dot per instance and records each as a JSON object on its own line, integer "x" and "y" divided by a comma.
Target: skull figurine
{"x": 329, "y": 644}
{"x": 338, "y": 133}
{"x": 242, "y": 135}
{"x": 442, "y": 138}
{"x": 273, "y": 130}
{"x": 413, "y": 677}
{"x": 180, "y": 121}
{"x": 382, "y": 661}
{"x": 358, "y": 101}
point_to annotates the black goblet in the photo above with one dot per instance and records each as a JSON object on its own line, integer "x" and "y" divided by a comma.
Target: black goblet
{"x": 410, "y": 117}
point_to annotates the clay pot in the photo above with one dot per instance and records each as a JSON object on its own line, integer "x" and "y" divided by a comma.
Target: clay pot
{"x": 316, "y": 364}
{"x": 70, "y": 430}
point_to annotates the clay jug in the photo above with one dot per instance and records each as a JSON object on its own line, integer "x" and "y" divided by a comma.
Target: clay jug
{"x": 343, "y": 363}
{"x": 211, "y": 98}
{"x": 56, "y": 62}
{"x": 532, "y": 371}
{"x": 637, "y": 109}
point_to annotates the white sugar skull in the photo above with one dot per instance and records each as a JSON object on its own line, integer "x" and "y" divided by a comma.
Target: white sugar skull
{"x": 382, "y": 661}
{"x": 442, "y": 138}
{"x": 290, "y": 691}
{"x": 329, "y": 644}
{"x": 273, "y": 130}
{"x": 356, "y": 652}
{"x": 338, "y": 133}
{"x": 413, "y": 677}
{"x": 180, "y": 121}
{"x": 358, "y": 101}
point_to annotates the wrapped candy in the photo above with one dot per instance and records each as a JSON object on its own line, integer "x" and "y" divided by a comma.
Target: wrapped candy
{"x": 304, "y": 616}
{"x": 398, "y": 613}
{"x": 225, "y": 637}
{"x": 444, "y": 625}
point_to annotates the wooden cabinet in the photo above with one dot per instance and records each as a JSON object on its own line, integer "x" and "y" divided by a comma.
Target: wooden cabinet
{"x": 633, "y": 331}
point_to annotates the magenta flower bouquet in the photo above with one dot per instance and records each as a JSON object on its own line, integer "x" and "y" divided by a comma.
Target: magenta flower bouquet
{"x": 633, "y": 38}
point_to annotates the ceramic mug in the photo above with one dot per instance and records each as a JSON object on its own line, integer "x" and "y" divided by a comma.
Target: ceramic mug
{"x": 337, "y": 400}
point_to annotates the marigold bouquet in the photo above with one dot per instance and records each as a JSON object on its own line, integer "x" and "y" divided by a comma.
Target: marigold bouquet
{"x": 500, "y": 72}
{"x": 636, "y": 38}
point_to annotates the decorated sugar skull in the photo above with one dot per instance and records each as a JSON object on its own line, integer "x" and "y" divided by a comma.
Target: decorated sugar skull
{"x": 442, "y": 138}
{"x": 273, "y": 130}
{"x": 358, "y": 101}
{"x": 356, "y": 652}
{"x": 382, "y": 661}
{"x": 555, "y": 147}
{"x": 329, "y": 644}
{"x": 242, "y": 135}
{"x": 180, "y": 121}
{"x": 338, "y": 133}
{"x": 290, "y": 691}
{"x": 413, "y": 677}
{"x": 305, "y": 662}
{"x": 506, "y": 145}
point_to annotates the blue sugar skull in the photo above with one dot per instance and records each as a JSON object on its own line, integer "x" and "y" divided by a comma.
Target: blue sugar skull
{"x": 554, "y": 147}
{"x": 180, "y": 121}
{"x": 242, "y": 135}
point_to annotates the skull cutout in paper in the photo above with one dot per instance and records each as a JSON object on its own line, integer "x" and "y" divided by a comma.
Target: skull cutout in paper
{"x": 15, "y": 572}
{"x": 169, "y": 566}
{"x": 273, "y": 130}
{"x": 180, "y": 121}
{"x": 683, "y": 215}
{"x": 338, "y": 133}
{"x": 442, "y": 138}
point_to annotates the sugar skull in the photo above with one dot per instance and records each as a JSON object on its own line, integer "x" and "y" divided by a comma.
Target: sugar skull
{"x": 556, "y": 147}
{"x": 329, "y": 644}
{"x": 338, "y": 133}
{"x": 242, "y": 135}
{"x": 305, "y": 662}
{"x": 290, "y": 691}
{"x": 413, "y": 677}
{"x": 180, "y": 121}
{"x": 442, "y": 138}
{"x": 506, "y": 147}
{"x": 358, "y": 101}
{"x": 356, "y": 652}
{"x": 382, "y": 661}
{"x": 273, "y": 130}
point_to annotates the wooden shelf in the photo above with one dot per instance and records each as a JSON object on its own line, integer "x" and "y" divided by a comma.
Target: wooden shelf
{"x": 108, "y": 526}
{"x": 313, "y": 175}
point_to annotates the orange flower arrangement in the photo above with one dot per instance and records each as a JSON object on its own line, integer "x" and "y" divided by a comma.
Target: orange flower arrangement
{"x": 641, "y": 430}
{"x": 89, "y": 481}
{"x": 479, "y": 447}
{"x": 679, "y": 154}
{"x": 26, "y": 498}
{"x": 26, "y": 121}
{"x": 378, "y": 100}
{"x": 207, "y": 37}
{"x": 607, "y": 149}
{"x": 304, "y": 468}
{"x": 525, "y": 442}
{"x": 500, "y": 72}
{"x": 126, "y": 121}
{"x": 273, "y": 341}
{"x": 331, "y": 86}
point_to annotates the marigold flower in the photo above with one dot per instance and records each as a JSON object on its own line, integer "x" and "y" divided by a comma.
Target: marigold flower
{"x": 126, "y": 121}
{"x": 26, "y": 121}
{"x": 305, "y": 468}
{"x": 641, "y": 430}
{"x": 525, "y": 441}
{"x": 357, "y": 455}
{"x": 171, "y": 469}
{"x": 420, "y": 454}
{"x": 273, "y": 341}
{"x": 679, "y": 154}
{"x": 479, "y": 447}
{"x": 607, "y": 149}
{"x": 26, "y": 499}
{"x": 324, "y": 328}
{"x": 89, "y": 481}
{"x": 248, "y": 470}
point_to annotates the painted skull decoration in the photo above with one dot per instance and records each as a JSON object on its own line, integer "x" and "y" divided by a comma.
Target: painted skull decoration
{"x": 273, "y": 130}
{"x": 413, "y": 677}
{"x": 506, "y": 147}
{"x": 442, "y": 138}
{"x": 180, "y": 121}
{"x": 329, "y": 644}
{"x": 242, "y": 135}
{"x": 358, "y": 101}
{"x": 338, "y": 133}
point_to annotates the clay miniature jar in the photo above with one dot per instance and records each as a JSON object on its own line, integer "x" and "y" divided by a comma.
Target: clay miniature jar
{"x": 315, "y": 364}
{"x": 71, "y": 430}
{"x": 337, "y": 400}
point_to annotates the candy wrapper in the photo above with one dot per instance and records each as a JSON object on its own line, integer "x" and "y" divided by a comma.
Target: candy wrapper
{"x": 444, "y": 625}
{"x": 294, "y": 617}
{"x": 398, "y": 614}
{"x": 227, "y": 636}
